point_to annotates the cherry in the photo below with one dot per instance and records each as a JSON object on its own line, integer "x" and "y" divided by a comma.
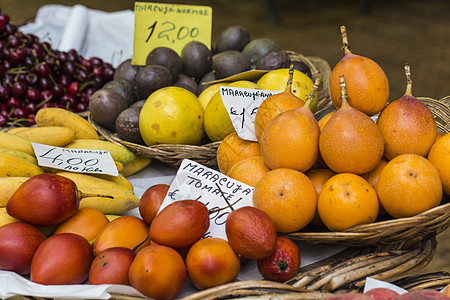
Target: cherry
{"x": 3, "y": 119}
{"x": 68, "y": 101}
{"x": 46, "y": 95}
{"x": 73, "y": 88}
{"x": 58, "y": 90}
{"x": 80, "y": 107}
{"x": 4, "y": 18}
{"x": 10, "y": 28}
{"x": 5, "y": 92}
{"x": 31, "y": 79}
{"x": 19, "y": 112}
{"x": 30, "y": 107}
{"x": 13, "y": 102}
{"x": 31, "y": 119}
{"x": 16, "y": 56}
{"x": 18, "y": 89}
{"x": 108, "y": 74}
{"x": 33, "y": 95}
{"x": 45, "y": 83}
{"x": 42, "y": 69}
{"x": 69, "y": 67}
{"x": 13, "y": 41}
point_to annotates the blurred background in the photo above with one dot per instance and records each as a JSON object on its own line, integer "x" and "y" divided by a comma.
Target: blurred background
{"x": 391, "y": 33}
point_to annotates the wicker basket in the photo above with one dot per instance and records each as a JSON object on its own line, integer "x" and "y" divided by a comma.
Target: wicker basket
{"x": 205, "y": 153}
{"x": 341, "y": 273}
{"x": 433, "y": 221}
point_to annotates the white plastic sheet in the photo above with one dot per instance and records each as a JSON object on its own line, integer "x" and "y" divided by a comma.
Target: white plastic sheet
{"x": 107, "y": 35}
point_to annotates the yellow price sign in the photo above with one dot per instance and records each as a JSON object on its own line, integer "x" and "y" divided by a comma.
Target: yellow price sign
{"x": 168, "y": 25}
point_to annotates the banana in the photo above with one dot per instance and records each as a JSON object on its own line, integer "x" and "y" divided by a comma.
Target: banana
{"x": 14, "y": 130}
{"x": 51, "y": 135}
{"x": 112, "y": 217}
{"x": 5, "y": 218}
{"x": 21, "y": 154}
{"x": 136, "y": 165}
{"x": 14, "y": 166}
{"x": 121, "y": 202}
{"x": 85, "y": 180}
{"x": 119, "y": 165}
{"x": 8, "y": 186}
{"x": 53, "y": 116}
{"x": 118, "y": 152}
{"x": 14, "y": 142}
{"x": 116, "y": 179}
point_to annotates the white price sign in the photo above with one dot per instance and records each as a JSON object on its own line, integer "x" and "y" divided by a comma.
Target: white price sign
{"x": 75, "y": 160}
{"x": 242, "y": 105}
{"x": 217, "y": 191}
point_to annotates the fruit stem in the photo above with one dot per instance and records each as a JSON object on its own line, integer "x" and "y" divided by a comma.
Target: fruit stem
{"x": 408, "y": 80}
{"x": 312, "y": 94}
{"x": 345, "y": 46}
{"x": 82, "y": 195}
{"x": 344, "y": 96}
{"x": 290, "y": 78}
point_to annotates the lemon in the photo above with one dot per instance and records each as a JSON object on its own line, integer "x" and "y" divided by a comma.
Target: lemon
{"x": 301, "y": 84}
{"x": 217, "y": 122}
{"x": 171, "y": 115}
{"x": 209, "y": 92}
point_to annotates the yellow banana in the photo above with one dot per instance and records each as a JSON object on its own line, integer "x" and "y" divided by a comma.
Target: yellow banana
{"x": 136, "y": 165}
{"x": 14, "y": 166}
{"x": 86, "y": 180}
{"x": 21, "y": 154}
{"x": 119, "y": 165}
{"x": 5, "y": 218}
{"x": 121, "y": 202}
{"x": 112, "y": 217}
{"x": 116, "y": 179}
{"x": 118, "y": 152}
{"x": 14, "y": 142}
{"x": 8, "y": 186}
{"x": 14, "y": 130}
{"x": 53, "y": 116}
{"x": 51, "y": 135}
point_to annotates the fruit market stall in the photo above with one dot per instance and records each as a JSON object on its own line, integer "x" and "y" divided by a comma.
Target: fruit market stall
{"x": 215, "y": 170}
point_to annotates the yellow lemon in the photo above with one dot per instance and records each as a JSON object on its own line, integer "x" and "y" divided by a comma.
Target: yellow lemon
{"x": 217, "y": 122}
{"x": 209, "y": 92}
{"x": 171, "y": 115}
{"x": 301, "y": 85}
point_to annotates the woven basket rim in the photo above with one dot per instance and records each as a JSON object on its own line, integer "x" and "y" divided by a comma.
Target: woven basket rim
{"x": 432, "y": 221}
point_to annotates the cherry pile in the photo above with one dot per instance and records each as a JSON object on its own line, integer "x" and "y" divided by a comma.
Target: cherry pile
{"x": 34, "y": 76}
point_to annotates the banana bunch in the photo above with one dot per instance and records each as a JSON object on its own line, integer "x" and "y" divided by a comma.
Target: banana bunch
{"x": 62, "y": 128}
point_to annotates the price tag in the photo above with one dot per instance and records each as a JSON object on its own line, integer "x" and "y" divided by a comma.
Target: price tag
{"x": 242, "y": 105}
{"x": 169, "y": 25}
{"x": 217, "y": 191}
{"x": 75, "y": 160}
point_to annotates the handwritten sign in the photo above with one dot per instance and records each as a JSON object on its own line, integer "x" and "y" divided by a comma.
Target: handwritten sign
{"x": 217, "y": 191}
{"x": 75, "y": 160}
{"x": 168, "y": 25}
{"x": 242, "y": 105}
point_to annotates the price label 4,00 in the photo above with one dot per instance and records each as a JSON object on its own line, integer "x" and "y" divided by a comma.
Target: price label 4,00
{"x": 168, "y": 25}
